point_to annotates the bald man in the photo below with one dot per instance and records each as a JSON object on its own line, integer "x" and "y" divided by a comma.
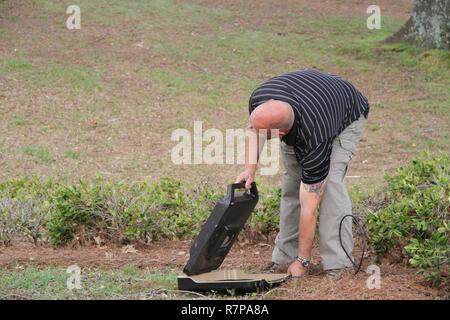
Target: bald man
{"x": 320, "y": 118}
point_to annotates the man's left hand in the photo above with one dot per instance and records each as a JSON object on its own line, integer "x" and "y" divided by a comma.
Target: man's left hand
{"x": 296, "y": 269}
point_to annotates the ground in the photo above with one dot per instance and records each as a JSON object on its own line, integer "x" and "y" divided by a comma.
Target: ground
{"x": 104, "y": 100}
{"x": 151, "y": 272}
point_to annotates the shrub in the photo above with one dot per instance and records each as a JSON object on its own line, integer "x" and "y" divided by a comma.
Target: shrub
{"x": 265, "y": 219}
{"x": 415, "y": 223}
{"x": 20, "y": 219}
{"x": 9, "y": 221}
{"x": 75, "y": 211}
{"x": 117, "y": 212}
{"x": 122, "y": 213}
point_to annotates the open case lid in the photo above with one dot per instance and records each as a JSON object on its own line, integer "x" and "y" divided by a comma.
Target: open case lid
{"x": 230, "y": 281}
{"x": 221, "y": 229}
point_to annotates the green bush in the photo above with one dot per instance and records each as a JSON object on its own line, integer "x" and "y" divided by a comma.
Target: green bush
{"x": 76, "y": 209}
{"x": 415, "y": 223}
{"x": 412, "y": 222}
{"x": 116, "y": 212}
{"x": 265, "y": 219}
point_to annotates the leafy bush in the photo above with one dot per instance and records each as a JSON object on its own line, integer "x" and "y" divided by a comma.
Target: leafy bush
{"x": 116, "y": 212}
{"x": 265, "y": 219}
{"x": 411, "y": 221}
{"x": 9, "y": 222}
{"x": 75, "y": 211}
{"x": 415, "y": 223}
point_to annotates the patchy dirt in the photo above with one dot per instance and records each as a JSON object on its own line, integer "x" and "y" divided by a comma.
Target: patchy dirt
{"x": 170, "y": 254}
{"x": 399, "y": 9}
{"x": 397, "y": 282}
{"x": 123, "y": 130}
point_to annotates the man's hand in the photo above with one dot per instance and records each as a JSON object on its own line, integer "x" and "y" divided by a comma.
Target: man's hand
{"x": 248, "y": 176}
{"x": 296, "y": 269}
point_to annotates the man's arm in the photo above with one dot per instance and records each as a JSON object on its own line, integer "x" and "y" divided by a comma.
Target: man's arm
{"x": 254, "y": 143}
{"x": 310, "y": 197}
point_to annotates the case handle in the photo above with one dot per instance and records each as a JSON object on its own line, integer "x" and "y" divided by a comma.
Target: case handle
{"x": 231, "y": 187}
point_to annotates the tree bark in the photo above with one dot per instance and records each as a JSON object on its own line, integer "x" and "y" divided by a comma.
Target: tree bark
{"x": 428, "y": 27}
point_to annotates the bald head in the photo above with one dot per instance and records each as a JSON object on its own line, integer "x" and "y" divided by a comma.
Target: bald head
{"x": 273, "y": 114}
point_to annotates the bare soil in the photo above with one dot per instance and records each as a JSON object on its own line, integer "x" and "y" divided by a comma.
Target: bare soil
{"x": 397, "y": 281}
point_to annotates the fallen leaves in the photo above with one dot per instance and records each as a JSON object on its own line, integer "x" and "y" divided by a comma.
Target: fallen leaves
{"x": 128, "y": 249}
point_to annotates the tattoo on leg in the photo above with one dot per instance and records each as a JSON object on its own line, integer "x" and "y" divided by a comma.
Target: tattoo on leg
{"x": 315, "y": 188}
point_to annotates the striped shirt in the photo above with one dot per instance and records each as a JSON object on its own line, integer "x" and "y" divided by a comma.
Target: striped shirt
{"x": 324, "y": 105}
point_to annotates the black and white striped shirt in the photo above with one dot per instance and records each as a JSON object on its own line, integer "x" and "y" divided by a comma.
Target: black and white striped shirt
{"x": 324, "y": 105}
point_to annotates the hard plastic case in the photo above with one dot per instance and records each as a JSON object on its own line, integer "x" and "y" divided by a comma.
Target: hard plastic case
{"x": 213, "y": 243}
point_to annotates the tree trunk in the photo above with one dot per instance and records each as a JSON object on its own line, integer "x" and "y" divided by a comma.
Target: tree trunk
{"x": 428, "y": 27}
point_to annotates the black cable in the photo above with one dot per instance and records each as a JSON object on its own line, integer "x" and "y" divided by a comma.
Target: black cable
{"x": 364, "y": 238}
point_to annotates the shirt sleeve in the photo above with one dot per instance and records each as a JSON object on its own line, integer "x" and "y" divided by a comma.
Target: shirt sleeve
{"x": 316, "y": 164}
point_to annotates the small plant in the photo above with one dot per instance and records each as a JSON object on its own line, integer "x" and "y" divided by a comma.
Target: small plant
{"x": 20, "y": 219}
{"x": 33, "y": 219}
{"x": 9, "y": 221}
{"x": 121, "y": 213}
{"x": 414, "y": 225}
{"x": 265, "y": 219}
{"x": 68, "y": 214}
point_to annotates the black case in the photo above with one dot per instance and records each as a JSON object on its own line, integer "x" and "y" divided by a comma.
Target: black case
{"x": 221, "y": 230}
{"x": 214, "y": 242}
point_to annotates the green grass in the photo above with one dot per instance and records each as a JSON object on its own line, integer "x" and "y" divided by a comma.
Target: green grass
{"x": 160, "y": 14}
{"x": 51, "y": 283}
{"x": 71, "y": 154}
{"x": 129, "y": 282}
{"x": 69, "y": 76}
{"x": 15, "y": 66}
{"x": 20, "y": 121}
{"x": 350, "y": 39}
{"x": 51, "y": 75}
{"x": 5, "y": 33}
{"x": 437, "y": 106}
{"x": 201, "y": 87}
{"x": 39, "y": 153}
{"x": 196, "y": 59}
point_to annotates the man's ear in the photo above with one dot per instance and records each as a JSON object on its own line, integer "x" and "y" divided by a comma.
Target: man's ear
{"x": 291, "y": 116}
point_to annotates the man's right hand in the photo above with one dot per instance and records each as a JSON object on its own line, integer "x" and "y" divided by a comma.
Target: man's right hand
{"x": 248, "y": 177}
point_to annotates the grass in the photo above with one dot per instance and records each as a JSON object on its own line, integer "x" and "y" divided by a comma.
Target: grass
{"x": 145, "y": 68}
{"x": 50, "y": 75}
{"x": 125, "y": 283}
{"x": 39, "y": 153}
{"x": 71, "y": 154}
{"x": 201, "y": 87}
{"x": 160, "y": 14}
{"x": 20, "y": 121}
{"x": 51, "y": 283}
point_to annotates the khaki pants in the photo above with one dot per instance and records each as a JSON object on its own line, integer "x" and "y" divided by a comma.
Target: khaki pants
{"x": 334, "y": 205}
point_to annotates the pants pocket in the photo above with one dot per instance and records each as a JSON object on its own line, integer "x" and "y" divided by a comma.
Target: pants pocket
{"x": 347, "y": 145}
{"x": 340, "y": 158}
